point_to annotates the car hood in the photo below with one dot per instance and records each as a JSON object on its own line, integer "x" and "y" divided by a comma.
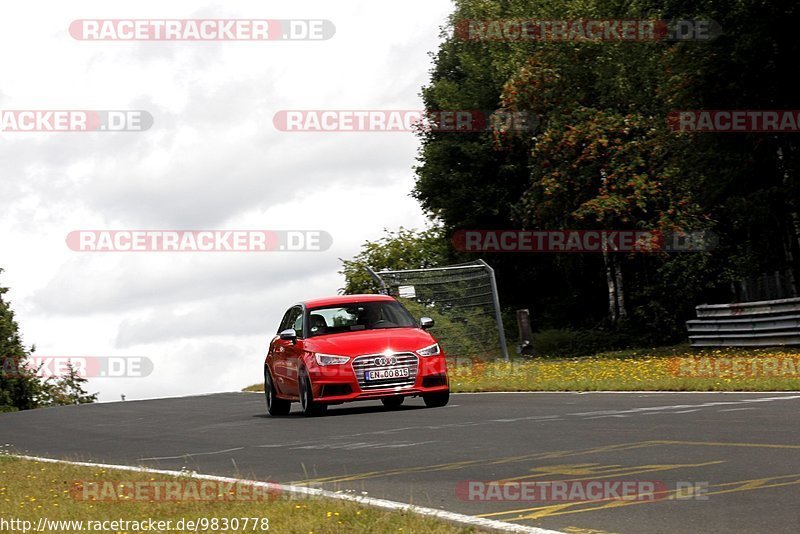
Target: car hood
{"x": 371, "y": 341}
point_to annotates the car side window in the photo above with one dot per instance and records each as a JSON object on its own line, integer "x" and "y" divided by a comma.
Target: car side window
{"x": 285, "y": 322}
{"x": 293, "y": 319}
{"x": 298, "y": 323}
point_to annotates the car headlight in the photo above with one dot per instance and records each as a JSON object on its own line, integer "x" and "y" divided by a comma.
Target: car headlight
{"x": 433, "y": 350}
{"x": 330, "y": 359}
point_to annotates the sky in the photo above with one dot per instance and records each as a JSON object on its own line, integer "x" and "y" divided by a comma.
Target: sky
{"x": 212, "y": 160}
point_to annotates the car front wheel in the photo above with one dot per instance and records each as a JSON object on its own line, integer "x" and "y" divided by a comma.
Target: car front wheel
{"x": 310, "y": 407}
{"x": 437, "y": 400}
{"x": 275, "y": 406}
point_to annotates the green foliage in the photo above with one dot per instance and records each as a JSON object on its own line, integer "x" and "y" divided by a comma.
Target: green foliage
{"x": 20, "y": 387}
{"x": 69, "y": 389}
{"x": 604, "y": 157}
{"x": 570, "y": 343}
{"x": 401, "y": 249}
{"x": 472, "y": 334}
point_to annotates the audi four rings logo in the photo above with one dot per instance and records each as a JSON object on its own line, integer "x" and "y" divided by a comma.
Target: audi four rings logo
{"x": 383, "y": 362}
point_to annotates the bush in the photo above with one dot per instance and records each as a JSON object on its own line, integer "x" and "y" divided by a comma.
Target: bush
{"x": 20, "y": 387}
{"x": 566, "y": 343}
{"x": 472, "y": 334}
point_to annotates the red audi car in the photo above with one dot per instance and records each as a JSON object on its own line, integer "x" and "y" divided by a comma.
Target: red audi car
{"x": 357, "y": 347}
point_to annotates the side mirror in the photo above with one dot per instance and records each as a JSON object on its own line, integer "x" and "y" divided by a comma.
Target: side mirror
{"x": 289, "y": 335}
{"x": 425, "y": 323}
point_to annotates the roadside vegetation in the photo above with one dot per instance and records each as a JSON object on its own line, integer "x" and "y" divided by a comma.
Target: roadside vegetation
{"x": 663, "y": 369}
{"x": 30, "y": 490}
{"x": 677, "y": 368}
{"x": 21, "y": 388}
{"x": 604, "y": 156}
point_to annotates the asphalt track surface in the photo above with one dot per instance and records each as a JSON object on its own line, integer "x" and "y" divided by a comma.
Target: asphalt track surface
{"x": 742, "y": 451}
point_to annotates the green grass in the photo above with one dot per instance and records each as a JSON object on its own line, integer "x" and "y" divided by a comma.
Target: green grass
{"x": 657, "y": 369}
{"x": 30, "y": 490}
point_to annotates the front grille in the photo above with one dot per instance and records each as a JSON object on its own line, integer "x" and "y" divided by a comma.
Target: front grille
{"x": 367, "y": 363}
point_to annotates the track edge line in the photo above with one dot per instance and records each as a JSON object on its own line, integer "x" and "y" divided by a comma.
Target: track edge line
{"x": 450, "y": 517}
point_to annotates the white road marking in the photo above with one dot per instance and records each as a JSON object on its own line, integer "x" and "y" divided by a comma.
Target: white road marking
{"x": 355, "y": 446}
{"x": 279, "y": 445}
{"x": 189, "y": 454}
{"x": 649, "y": 410}
{"x": 534, "y": 418}
{"x": 771, "y": 399}
{"x": 452, "y": 517}
{"x": 691, "y": 407}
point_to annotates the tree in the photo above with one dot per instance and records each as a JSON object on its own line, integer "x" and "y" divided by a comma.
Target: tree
{"x": 468, "y": 332}
{"x": 603, "y": 156}
{"x": 69, "y": 389}
{"x": 401, "y": 249}
{"x": 20, "y": 386}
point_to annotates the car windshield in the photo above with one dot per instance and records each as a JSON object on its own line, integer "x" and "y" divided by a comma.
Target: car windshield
{"x": 358, "y": 316}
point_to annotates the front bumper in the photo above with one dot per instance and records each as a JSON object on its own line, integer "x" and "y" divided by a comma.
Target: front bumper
{"x": 338, "y": 384}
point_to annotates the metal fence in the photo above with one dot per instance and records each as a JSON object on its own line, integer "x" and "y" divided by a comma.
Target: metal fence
{"x": 461, "y": 298}
{"x": 748, "y": 324}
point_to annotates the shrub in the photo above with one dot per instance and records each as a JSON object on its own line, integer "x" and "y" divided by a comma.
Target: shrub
{"x": 566, "y": 343}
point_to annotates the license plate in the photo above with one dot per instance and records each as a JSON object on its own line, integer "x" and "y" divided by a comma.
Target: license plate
{"x": 383, "y": 374}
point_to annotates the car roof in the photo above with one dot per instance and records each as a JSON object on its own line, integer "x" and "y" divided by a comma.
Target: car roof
{"x": 345, "y": 299}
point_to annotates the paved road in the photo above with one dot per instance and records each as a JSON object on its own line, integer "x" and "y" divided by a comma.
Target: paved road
{"x": 743, "y": 451}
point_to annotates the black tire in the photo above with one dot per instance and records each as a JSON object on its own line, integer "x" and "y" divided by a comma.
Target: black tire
{"x": 275, "y": 406}
{"x": 393, "y": 402}
{"x": 437, "y": 400}
{"x": 310, "y": 407}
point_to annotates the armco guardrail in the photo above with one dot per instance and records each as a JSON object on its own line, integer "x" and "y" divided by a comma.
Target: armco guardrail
{"x": 746, "y": 324}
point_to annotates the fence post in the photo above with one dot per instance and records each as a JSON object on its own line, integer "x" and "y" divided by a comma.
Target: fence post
{"x": 525, "y": 332}
{"x": 384, "y": 289}
{"x": 498, "y": 315}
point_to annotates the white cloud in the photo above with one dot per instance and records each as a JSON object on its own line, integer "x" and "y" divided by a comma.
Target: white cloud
{"x": 211, "y": 160}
